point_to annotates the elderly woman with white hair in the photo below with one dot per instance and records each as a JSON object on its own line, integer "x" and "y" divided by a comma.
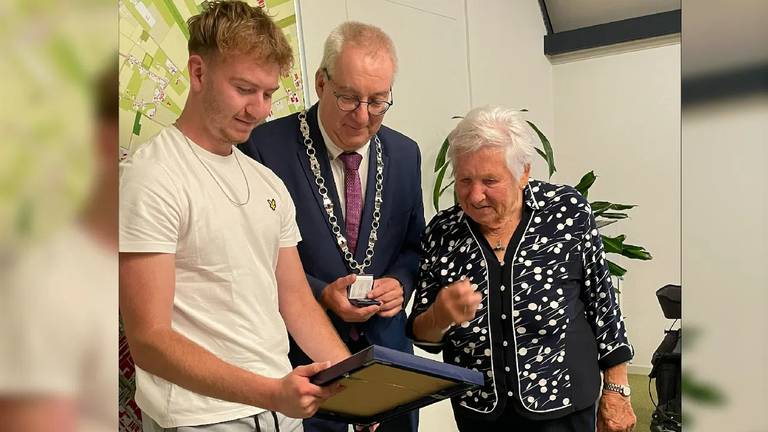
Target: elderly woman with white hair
{"x": 513, "y": 283}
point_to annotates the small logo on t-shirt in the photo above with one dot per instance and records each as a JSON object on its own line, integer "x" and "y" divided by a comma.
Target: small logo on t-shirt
{"x": 272, "y": 204}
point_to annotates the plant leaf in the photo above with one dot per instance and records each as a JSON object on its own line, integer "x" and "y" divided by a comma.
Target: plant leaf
{"x": 613, "y": 244}
{"x": 615, "y": 206}
{"x": 615, "y": 269}
{"x": 447, "y": 186}
{"x": 613, "y": 215}
{"x": 585, "y": 183}
{"x": 690, "y": 335}
{"x": 541, "y": 153}
{"x": 700, "y": 391}
{"x": 548, "y": 155}
{"x": 636, "y": 252}
{"x": 438, "y": 186}
{"x": 598, "y": 207}
{"x": 440, "y": 161}
{"x": 604, "y": 223}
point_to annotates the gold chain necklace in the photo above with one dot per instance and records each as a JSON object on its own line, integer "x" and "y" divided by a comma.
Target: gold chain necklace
{"x": 247, "y": 186}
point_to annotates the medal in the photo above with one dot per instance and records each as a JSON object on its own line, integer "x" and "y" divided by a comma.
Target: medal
{"x": 361, "y": 287}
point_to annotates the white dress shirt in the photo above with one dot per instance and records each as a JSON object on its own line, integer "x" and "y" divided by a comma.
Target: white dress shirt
{"x": 337, "y": 166}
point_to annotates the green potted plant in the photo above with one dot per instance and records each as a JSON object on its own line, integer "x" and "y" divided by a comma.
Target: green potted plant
{"x": 605, "y": 212}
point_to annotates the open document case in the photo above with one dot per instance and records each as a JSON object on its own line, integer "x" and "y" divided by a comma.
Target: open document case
{"x": 382, "y": 383}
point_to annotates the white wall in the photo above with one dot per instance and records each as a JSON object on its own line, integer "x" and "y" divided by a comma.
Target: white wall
{"x": 619, "y": 115}
{"x": 507, "y": 61}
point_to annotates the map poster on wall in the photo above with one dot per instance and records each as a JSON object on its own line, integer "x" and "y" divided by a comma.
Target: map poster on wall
{"x": 154, "y": 80}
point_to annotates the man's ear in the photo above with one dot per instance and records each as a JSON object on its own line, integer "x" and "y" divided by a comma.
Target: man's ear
{"x": 197, "y": 71}
{"x": 319, "y": 82}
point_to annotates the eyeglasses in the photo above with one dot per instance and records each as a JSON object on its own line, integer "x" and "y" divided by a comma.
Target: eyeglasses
{"x": 349, "y": 103}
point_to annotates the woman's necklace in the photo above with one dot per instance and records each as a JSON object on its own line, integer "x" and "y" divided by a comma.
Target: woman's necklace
{"x": 500, "y": 247}
{"x": 502, "y": 234}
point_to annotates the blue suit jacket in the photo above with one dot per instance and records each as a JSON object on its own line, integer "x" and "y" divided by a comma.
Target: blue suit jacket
{"x": 279, "y": 145}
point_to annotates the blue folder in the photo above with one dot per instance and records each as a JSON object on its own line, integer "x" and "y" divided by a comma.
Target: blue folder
{"x": 382, "y": 383}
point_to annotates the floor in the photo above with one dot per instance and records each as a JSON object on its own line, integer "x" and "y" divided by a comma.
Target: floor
{"x": 641, "y": 401}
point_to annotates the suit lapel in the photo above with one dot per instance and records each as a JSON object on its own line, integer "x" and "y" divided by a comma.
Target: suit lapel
{"x": 325, "y": 169}
{"x": 370, "y": 194}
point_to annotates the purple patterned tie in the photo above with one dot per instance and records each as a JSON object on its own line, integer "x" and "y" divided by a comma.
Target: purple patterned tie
{"x": 354, "y": 196}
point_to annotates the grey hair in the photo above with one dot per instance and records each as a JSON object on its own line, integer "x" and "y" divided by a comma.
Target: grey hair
{"x": 356, "y": 33}
{"x": 494, "y": 127}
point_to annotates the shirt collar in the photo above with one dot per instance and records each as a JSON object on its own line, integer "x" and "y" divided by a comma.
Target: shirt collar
{"x": 530, "y": 197}
{"x": 333, "y": 150}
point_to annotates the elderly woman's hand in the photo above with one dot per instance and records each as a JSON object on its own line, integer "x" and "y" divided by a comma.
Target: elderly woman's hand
{"x": 615, "y": 413}
{"x": 456, "y": 303}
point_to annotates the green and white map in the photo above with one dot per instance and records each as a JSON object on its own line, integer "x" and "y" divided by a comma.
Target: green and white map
{"x": 153, "y": 56}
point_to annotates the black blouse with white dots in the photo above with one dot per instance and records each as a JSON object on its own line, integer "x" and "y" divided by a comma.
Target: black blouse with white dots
{"x": 548, "y": 321}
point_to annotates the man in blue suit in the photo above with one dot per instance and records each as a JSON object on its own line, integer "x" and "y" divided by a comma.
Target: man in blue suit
{"x": 357, "y": 189}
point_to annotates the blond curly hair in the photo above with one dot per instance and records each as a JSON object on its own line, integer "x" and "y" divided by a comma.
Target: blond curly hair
{"x": 235, "y": 27}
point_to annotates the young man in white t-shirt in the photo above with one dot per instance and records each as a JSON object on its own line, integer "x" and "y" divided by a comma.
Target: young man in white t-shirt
{"x": 210, "y": 279}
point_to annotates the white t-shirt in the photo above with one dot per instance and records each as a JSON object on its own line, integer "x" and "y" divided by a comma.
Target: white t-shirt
{"x": 58, "y": 328}
{"x": 226, "y": 256}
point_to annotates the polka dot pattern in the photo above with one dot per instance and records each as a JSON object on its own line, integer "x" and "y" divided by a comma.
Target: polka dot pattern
{"x": 561, "y": 243}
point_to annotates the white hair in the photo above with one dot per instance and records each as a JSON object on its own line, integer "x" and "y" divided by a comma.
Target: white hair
{"x": 494, "y": 127}
{"x": 357, "y": 33}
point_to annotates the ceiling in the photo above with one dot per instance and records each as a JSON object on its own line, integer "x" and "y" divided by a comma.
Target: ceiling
{"x": 567, "y": 15}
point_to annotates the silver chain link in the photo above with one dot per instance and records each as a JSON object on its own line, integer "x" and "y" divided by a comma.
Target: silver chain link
{"x": 328, "y": 204}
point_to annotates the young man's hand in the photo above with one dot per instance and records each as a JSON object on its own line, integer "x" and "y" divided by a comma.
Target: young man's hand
{"x": 294, "y": 396}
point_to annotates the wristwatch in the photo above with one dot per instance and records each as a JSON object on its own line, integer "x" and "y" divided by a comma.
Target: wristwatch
{"x": 617, "y": 388}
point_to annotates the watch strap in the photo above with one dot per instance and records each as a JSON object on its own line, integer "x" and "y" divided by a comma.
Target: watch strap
{"x": 621, "y": 389}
